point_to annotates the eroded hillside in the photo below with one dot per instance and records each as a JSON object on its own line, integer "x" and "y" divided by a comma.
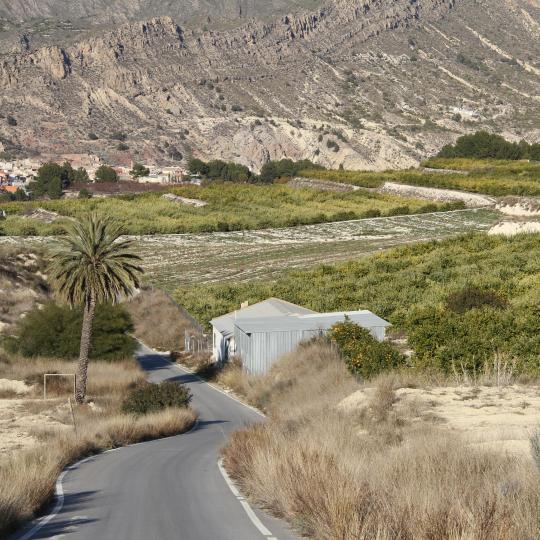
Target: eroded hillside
{"x": 371, "y": 84}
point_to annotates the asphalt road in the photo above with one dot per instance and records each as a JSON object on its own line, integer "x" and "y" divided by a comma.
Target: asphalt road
{"x": 170, "y": 489}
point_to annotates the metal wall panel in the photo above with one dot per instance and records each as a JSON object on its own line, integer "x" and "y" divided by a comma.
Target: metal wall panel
{"x": 260, "y": 350}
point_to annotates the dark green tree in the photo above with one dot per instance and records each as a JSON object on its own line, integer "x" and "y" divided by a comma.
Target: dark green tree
{"x": 51, "y": 179}
{"x": 106, "y": 174}
{"x": 139, "y": 171}
{"x": 197, "y": 166}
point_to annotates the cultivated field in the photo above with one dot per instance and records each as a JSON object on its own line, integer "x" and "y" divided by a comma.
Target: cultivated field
{"x": 491, "y": 177}
{"x": 230, "y": 207}
{"x": 175, "y": 260}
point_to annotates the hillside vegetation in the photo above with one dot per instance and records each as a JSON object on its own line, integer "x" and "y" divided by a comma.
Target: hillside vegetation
{"x": 463, "y": 303}
{"x": 484, "y": 145}
{"x": 230, "y": 207}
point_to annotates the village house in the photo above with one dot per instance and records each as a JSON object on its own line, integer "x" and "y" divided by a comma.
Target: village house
{"x": 261, "y": 333}
{"x": 86, "y": 161}
{"x": 164, "y": 175}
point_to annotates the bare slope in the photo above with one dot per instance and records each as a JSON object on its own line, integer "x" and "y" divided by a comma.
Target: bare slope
{"x": 371, "y": 84}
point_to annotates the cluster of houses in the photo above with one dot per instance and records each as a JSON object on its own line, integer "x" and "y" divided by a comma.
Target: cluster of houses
{"x": 18, "y": 174}
{"x": 157, "y": 175}
{"x": 261, "y": 333}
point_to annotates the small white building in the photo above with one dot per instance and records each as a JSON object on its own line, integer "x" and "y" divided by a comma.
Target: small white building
{"x": 262, "y": 333}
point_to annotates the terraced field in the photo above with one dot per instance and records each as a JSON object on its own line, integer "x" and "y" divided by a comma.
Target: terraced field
{"x": 174, "y": 260}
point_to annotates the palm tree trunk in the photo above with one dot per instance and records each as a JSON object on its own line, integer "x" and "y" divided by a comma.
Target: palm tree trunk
{"x": 86, "y": 336}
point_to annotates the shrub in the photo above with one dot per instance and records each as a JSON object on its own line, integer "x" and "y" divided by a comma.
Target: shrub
{"x": 284, "y": 168}
{"x": 363, "y": 354}
{"x": 55, "y": 331}
{"x": 106, "y": 174}
{"x": 399, "y": 211}
{"x": 85, "y": 194}
{"x": 119, "y": 136}
{"x": 473, "y": 297}
{"x": 155, "y": 397}
{"x": 450, "y": 342}
{"x": 139, "y": 170}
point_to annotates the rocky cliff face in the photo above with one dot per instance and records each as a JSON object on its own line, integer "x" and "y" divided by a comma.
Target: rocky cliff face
{"x": 367, "y": 84}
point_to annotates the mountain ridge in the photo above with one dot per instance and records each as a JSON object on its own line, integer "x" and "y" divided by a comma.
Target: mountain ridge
{"x": 356, "y": 68}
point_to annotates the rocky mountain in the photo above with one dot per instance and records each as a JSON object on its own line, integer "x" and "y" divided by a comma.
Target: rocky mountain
{"x": 359, "y": 83}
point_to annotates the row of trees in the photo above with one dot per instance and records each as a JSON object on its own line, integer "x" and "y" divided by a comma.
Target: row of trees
{"x": 484, "y": 145}
{"x": 234, "y": 172}
{"x": 220, "y": 170}
{"x": 53, "y": 178}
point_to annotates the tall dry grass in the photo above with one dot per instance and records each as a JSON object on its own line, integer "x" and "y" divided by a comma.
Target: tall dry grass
{"x": 377, "y": 473}
{"x": 28, "y": 478}
{"x": 159, "y": 321}
{"x": 106, "y": 380}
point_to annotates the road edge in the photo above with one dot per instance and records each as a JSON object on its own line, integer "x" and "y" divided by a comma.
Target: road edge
{"x": 59, "y": 488}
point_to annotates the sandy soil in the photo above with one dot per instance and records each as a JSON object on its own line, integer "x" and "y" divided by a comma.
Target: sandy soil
{"x": 520, "y": 206}
{"x": 497, "y": 418}
{"x": 435, "y": 194}
{"x": 23, "y": 420}
{"x": 510, "y": 228}
{"x": 8, "y": 386}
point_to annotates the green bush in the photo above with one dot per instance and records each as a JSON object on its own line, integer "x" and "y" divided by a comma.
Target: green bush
{"x": 363, "y": 354}
{"x": 85, "y": 194}
{"x": 473, "y": 297}
{"x": 484, "y": 145}
{"x": 106, "y": 174}
{"x": 155, "y": 397}
{"x": 450, "y": 342}
{"x": 55, "y": 331}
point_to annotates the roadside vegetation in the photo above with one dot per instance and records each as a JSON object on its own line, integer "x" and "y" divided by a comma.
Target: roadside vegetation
{"x": 92, "y": 266}
{"x": 28, "y": 476}
{"x": 230, "y": 207}
{"x": 117, "y": 406}
{"x": 461, "y": 304}
{"x": 383, "y": 469}
{"x": 159, "y": 321}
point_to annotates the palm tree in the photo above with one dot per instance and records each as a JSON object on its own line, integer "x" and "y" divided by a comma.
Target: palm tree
{"x": 91, "y": 266}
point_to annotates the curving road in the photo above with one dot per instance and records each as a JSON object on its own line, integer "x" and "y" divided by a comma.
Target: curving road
{"x": 170, "y": 489}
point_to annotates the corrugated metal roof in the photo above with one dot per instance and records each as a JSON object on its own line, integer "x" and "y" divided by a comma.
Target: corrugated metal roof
{"x": 268, "y": 309}
{"x": 314, "y": 321}
{"x": 363, "y": 317}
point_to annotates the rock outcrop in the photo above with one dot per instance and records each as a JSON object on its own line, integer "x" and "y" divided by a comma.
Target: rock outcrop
{"x": 360, "y": 83}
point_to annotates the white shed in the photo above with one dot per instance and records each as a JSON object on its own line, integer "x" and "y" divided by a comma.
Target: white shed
{"x": 223, "y": 327}
{"x": 262, "y": 333}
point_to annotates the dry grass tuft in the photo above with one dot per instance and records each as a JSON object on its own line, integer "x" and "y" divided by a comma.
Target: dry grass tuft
{"x": 377, "y": 475}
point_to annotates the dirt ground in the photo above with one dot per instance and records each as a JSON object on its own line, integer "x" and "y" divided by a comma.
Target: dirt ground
{"x": 485, "y": 416}
{"x": 23, "y": 419}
